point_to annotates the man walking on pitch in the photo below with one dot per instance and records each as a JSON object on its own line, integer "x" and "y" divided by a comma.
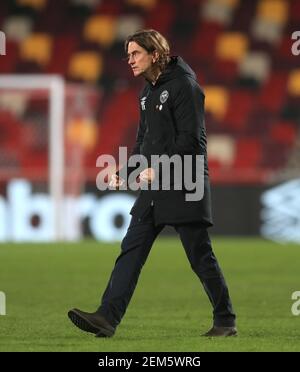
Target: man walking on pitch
{"x": 171, "y": 123}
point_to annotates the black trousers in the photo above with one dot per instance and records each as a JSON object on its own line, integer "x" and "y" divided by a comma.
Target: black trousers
{"x": 135, "y": 248}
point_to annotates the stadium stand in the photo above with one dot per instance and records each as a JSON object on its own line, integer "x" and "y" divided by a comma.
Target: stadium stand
{"x": 240, "y": 50}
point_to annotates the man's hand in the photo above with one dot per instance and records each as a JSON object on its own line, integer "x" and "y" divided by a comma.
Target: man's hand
{"x": 116, "y": 181}
{"x": 147, "y": 175}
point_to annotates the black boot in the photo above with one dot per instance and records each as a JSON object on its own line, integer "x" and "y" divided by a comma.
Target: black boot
{"x": 221, "y": 331}
{"x": 91, "y": 322}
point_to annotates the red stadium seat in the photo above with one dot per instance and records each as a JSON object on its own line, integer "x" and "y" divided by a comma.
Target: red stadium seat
{"x": 63, "y": 48}
{"x": 161, "y": 17}
{"x": 294, "y": 13}
{"x": 240, "y": 105}
{"x": 248, "y": 153}
{"x": 224, "y": 71}
{"x": 284, "y": 133}
{"x": 273, "y": 92}
{"x": 202, "y": 46}
{"x": 9, "y": 62}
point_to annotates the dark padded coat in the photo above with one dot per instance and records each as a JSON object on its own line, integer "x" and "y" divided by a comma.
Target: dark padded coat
{"x": 172, "y": 122}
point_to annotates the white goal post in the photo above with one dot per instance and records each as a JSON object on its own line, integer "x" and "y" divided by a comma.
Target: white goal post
{"x": 56, "y": 86}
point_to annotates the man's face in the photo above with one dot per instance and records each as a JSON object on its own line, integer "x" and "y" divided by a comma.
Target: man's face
{"x": 139, "y": 59}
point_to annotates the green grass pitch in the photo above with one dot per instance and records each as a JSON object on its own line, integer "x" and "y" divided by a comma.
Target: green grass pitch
{"x": 169, "y": 309}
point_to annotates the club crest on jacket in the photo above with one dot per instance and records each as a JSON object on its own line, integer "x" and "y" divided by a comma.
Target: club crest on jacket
{"x": 164, "y": 96}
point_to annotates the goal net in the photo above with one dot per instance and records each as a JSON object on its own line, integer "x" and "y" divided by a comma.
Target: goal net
{"x": 46, "y": 128}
